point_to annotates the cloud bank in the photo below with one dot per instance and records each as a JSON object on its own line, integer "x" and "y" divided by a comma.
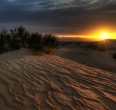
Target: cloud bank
{"x": 58, "y": 16}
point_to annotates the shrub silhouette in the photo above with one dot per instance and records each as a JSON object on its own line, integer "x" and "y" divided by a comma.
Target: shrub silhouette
{"x": 4, "y": 41}
{"x": 15, "y": 40}
{"x": 20, "y": 37}
{"x": 36, "y": 41}
{"x": 50, "y": 40}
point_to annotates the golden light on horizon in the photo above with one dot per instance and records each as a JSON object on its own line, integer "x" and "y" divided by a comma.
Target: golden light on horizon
{"x": 97, "y": 34}
{"x": 104, "y": 36}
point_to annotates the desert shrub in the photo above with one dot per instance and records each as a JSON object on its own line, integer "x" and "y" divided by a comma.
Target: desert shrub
{"x": 15, "y": 43}
{"x": 4, "y": 41}
{"x": 114, "y": 56}
{"x": 36, "y": 41}
{"x": 50, "y": 40}
{"x": 20, "y": 37}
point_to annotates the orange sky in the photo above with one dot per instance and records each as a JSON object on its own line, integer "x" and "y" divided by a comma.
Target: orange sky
{"x": 95, "y": 34}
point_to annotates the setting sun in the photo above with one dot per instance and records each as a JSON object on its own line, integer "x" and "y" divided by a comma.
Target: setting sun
{"x": 104, "y": 36}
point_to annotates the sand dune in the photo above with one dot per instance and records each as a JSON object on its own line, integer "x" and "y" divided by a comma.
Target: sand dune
{"x": 48, "y": 82}
{"x": 93, "y": 58}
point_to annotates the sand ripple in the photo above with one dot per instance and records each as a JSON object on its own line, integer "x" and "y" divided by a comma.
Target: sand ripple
{"x": 47, "y": 82}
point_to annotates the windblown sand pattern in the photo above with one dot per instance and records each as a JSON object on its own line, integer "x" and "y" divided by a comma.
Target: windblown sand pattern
{"x": 48, "y": 82}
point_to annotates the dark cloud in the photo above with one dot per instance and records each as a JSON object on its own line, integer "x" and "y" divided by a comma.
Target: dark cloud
{"x": 58, "y": 16}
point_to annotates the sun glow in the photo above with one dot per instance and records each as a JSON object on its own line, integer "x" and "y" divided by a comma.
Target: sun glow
{"x": 104, "y": 36}
{"x": 95, "y": 35}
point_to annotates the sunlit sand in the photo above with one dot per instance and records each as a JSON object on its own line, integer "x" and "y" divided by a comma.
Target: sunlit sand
{"x": 49, "y": 82}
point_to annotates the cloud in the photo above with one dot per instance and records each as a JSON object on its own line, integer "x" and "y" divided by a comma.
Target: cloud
{"x": 11, "y": 0}
{"x": 58, "y": 16}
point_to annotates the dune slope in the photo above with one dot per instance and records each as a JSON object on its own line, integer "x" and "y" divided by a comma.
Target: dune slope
{"x": 93, "y": 58}
{"x": 48, "y": 82}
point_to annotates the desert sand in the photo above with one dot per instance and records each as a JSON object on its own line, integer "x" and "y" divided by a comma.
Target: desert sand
{"x": 49, "y": 82}
{"x": 87, "y": 56}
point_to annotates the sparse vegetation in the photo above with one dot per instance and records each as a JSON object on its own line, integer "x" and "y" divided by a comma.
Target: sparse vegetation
{"x": 20, "y": 37}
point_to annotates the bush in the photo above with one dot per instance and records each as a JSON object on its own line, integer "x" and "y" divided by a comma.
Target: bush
{"x": 50, "y": 40}
{"x": 20, "y": 37}
{"x": 36, "y": 41}
{"x": 4, "y": 41}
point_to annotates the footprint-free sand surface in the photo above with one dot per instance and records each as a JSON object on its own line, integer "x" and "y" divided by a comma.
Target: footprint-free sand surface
{"x": 49, "y": 82}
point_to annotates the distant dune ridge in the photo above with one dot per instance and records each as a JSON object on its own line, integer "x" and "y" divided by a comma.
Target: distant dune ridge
{"x": 49, "y": 82}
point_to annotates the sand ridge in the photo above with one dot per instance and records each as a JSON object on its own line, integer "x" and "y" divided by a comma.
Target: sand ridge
{"x": 49, "y": 82}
